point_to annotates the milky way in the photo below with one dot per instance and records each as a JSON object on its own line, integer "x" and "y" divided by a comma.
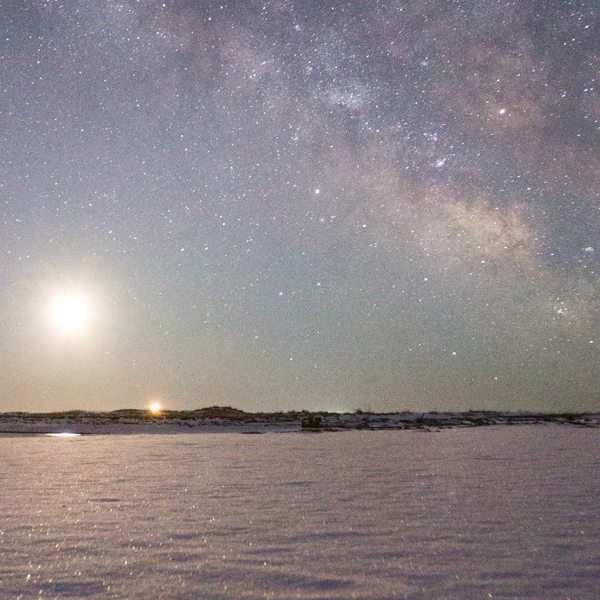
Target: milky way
{"x": 278, "y": 205}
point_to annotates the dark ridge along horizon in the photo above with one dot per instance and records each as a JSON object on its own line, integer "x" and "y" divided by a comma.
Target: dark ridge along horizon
{"x": 219, "y": 418}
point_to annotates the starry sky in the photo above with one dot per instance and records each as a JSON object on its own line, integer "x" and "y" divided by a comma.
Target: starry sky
{"x": 277, "y": 205}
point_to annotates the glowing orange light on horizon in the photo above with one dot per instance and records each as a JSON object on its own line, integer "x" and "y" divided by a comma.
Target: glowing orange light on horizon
{"x": 155, "y": 407}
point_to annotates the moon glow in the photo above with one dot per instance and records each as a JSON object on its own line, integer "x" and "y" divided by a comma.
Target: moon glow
{"x": 70, "y": 313}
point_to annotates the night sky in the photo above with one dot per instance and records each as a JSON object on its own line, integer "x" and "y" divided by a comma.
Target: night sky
{"x": 300, "y": 205}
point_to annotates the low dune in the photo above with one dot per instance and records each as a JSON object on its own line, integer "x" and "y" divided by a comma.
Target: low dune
{"x": 217, "y": 419}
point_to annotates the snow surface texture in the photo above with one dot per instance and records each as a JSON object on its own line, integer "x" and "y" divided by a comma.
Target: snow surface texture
{"x": 463, "y": 514}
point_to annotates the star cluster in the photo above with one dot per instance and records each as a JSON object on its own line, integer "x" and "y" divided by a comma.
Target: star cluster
{"x": 279, "y": 205}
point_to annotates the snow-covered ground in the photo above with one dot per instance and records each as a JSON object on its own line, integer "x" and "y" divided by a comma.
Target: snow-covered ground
{"x": 463, "y": 514}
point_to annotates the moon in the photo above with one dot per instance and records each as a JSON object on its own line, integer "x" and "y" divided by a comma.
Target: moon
{"x": 70, "y": 313}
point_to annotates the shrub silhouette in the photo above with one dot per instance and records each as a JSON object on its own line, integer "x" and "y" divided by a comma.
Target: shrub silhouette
{"x": 311, "y": 422}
